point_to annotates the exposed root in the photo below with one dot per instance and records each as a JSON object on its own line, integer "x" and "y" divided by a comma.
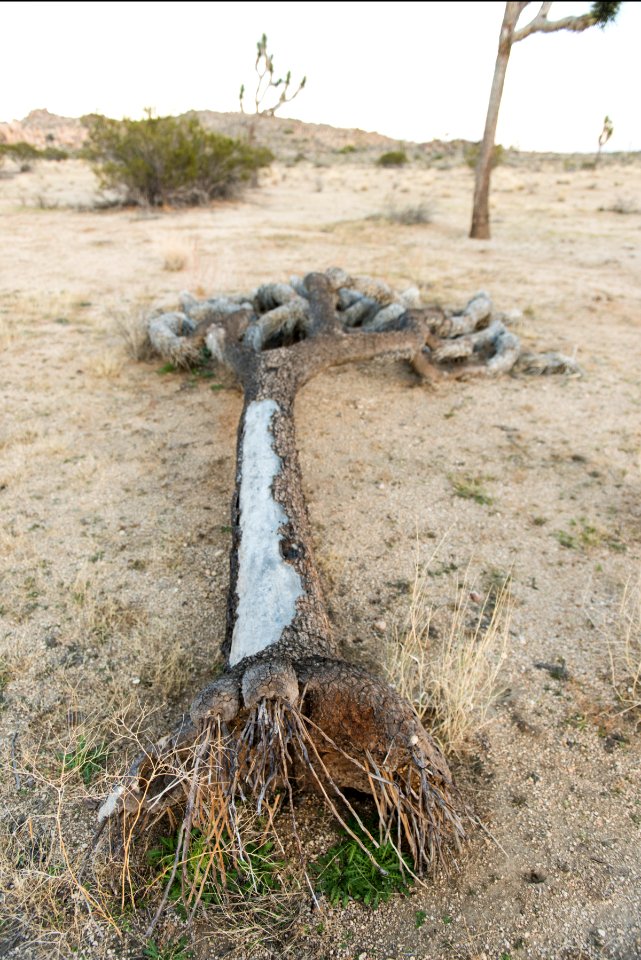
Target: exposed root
{"x": 212, "y": 777}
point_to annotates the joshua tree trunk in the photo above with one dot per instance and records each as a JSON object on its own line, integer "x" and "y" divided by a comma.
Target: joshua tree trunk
{"x": 288, "y": 710}
{"x": 600, "y": 13}
{"x": 480, "y": 229}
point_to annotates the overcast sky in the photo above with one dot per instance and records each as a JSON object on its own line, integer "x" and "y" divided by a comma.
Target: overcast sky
{"x": 414, "y": 71}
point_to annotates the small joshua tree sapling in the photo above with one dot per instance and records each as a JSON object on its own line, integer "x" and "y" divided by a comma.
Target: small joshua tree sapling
{"x": 267, "y": 86}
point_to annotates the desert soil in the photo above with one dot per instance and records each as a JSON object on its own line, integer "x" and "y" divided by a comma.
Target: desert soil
{"x": 115, "y": 482}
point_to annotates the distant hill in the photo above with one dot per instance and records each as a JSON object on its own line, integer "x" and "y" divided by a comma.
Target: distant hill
{"x": 287, "y": 139}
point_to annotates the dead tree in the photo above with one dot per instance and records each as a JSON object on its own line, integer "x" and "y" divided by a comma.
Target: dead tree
{"x": 288, "y": 712}
{"x": 600, "y": 13}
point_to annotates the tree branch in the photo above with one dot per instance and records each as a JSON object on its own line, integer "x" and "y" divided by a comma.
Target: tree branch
{"x": 541, "y": 24}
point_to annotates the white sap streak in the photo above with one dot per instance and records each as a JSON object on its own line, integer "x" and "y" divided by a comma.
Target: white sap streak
{"x": 267, "y": 586}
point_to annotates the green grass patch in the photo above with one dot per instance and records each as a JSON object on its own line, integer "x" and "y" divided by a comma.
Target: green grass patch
{"x": 472, "y": 488}
{"x": 87, "y": 758}
{"x": 257, "y": 875}
{"x": 371, "y": 875}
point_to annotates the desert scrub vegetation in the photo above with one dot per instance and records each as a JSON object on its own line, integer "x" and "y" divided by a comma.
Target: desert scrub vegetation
{"x": 393, "y": 158}
{"x": 472, "y": 150}
{"x": 168, "y": 160}
{"x": 25, "y": 154}
{"x": 447, "y": 661}
{"x": 409, "y": 216}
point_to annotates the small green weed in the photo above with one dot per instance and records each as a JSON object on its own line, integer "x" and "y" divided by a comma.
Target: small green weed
{"x": 586, "y": 535}
{"x": 346, "y": 872}
{"x": 88, "y": 759}
{"x": 172, "y": 951}
{"x": 566, "y": 539}
{"x": 421, "y": 917}
{"x": 167, "y": 368}
{"x": 471, "y": 488}
{"x": 257, "y": 875}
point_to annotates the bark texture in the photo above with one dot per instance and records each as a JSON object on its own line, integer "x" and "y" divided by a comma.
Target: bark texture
{"x": 288, "y": 712}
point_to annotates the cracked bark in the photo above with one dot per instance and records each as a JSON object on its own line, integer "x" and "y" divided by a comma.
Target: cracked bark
{"x": 288, "y": 710}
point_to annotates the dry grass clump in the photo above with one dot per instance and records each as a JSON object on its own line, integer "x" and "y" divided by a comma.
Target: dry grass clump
{"x": 625, "y": 651}
{"x": 622, "y": 205}
{"x": 411, "y": 215}
{"x": 131, "y": 326}
{"x": 98, "y": 614}
{"x": 54, "y": 902}
{"x": 107, "y": 365}
{"x": 175, "y": 259}
{"x": 447, "y": 662}
{"x": 8, "y": 331}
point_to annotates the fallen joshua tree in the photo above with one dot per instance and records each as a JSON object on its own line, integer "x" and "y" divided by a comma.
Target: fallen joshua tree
{"x": 288, "y": 712}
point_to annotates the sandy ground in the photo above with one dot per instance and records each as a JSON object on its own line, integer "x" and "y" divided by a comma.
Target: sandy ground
{"x": 115, "y": 481}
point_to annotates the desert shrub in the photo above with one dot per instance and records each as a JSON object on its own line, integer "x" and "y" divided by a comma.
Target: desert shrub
{"x": 471, "y": 154}
{"x": 168, "y": 160}
{"x": 54, "y": 153}
{"x": 25, "y": 154}
{"x": 393, "y": 158}
{"x": 20, "y": 151}
{"x": 410, "y": 215}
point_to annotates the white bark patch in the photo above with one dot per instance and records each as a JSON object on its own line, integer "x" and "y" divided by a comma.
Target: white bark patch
{"x": 111, "y": 804}
{"x": 268, "y": 587}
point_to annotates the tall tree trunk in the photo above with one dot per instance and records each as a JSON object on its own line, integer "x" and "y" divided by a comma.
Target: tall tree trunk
{"x": 480, "y": 229}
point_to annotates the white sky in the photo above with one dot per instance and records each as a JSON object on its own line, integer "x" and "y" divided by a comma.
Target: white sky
{"x": 413, "y": 71}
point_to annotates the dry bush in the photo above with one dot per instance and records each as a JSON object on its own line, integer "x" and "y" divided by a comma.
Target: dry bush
{"x": 411, "y": 215}
{"x": 8, "y": 331}
{"x": 446, "y": 662}
{"x": 62, "y": 895}
{"x": 55, "y": 902}
{"x": 625, "y": 650}
{"x": 175, "y": 259}
{"x": 106, "y": 365}
{"x": 131, "y": 326}
{"x": 622, "y": 205}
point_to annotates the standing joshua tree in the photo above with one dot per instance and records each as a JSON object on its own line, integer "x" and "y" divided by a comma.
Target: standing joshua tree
{"x": 600, "y": 14}
{"x": 606, "y": 132}
{"x": 270, "y": 94}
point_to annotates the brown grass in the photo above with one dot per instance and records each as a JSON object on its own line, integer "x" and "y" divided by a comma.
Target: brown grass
{"x": 131, "y": 327}
{"x": 625, "y": 650}
{"x": 175, "y": 259}
{"x": 447, "y": 662}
